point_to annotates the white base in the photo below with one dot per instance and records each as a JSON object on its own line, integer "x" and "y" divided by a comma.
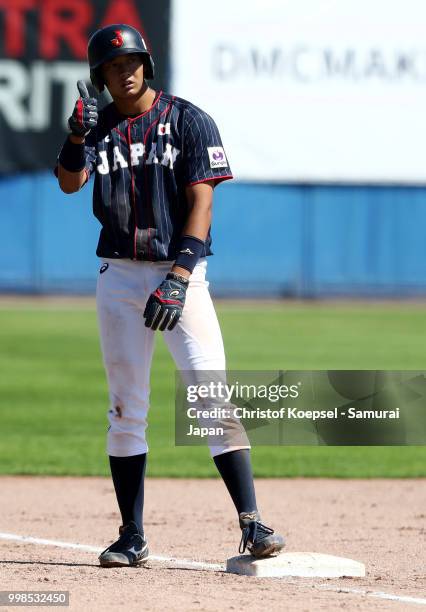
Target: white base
{"x": 303, "y": 565}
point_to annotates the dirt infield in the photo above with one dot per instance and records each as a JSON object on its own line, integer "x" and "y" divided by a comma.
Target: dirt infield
{"x": 378, "y": 522}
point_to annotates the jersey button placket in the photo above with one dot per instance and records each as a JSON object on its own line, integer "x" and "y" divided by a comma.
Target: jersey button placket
{"x": 130, "y": 138}
{"x": 135, "y": 137}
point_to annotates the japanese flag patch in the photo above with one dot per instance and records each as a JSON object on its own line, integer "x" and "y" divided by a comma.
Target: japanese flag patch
{"x": 163, "y": 128}
{"x": 217, "y": 157}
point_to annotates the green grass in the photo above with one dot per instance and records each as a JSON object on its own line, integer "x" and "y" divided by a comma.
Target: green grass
{"x": 53, "y": 396}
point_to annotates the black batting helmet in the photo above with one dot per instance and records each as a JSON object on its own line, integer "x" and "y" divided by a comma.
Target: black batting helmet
{"x": 111, "y": 41}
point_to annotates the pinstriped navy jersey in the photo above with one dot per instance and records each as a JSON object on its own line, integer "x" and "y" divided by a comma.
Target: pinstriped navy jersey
{"x": 142, "y": 166}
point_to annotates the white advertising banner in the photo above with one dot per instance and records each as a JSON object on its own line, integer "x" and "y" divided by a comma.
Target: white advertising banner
{"x": 309, "y": 90}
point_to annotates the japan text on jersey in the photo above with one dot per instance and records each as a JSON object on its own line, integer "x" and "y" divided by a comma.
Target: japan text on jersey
{"x": 142, "y": 166}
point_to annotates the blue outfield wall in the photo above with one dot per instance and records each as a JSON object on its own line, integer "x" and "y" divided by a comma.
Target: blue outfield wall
{"x": 269, "y": 240}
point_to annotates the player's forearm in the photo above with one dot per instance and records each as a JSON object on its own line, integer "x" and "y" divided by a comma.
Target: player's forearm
{"x": 197, "y": 226}
{"x": 70, "y": 182}
{"x": 199, "y": 220}
{"x": 193, "y": 236}
{"x": 199, "y": 198}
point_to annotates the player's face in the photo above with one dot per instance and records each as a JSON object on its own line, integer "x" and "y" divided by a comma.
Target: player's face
{"x": 123, "y": 75}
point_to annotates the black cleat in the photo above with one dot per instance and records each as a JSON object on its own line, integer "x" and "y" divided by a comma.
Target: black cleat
{"x": 130, "y": 549}
{"x": 261, "y": 541}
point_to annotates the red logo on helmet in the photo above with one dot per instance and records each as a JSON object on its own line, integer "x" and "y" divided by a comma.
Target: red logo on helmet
{"x": 118, "y": 42}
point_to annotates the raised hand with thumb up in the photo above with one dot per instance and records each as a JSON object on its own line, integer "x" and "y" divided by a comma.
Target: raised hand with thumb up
{"x": 85, "y": 113}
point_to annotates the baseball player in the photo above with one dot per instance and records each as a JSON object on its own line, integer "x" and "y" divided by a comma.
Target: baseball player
{"x": 156, "y": 160}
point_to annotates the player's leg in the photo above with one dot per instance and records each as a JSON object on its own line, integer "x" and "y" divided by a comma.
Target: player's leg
{"x": 196, "y": 345}
{"x": 127, "y": 347}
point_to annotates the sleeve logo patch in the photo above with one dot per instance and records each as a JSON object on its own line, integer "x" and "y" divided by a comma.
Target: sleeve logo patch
{"x": 217, "y": 157}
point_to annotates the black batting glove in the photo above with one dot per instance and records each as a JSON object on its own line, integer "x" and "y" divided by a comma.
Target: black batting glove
{"x": 85, "y": 113}
{"x": 164, "y": 306}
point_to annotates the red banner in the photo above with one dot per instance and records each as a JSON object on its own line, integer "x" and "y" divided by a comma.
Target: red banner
{"x": 43, "y": 46}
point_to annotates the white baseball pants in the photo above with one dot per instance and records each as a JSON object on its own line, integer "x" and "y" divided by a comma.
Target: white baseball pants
{"x": 127, "y": 345}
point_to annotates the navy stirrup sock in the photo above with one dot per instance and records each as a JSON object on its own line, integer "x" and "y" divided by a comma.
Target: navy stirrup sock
{"x": 128, "y": 475}
{"x": 235, "y": 469}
